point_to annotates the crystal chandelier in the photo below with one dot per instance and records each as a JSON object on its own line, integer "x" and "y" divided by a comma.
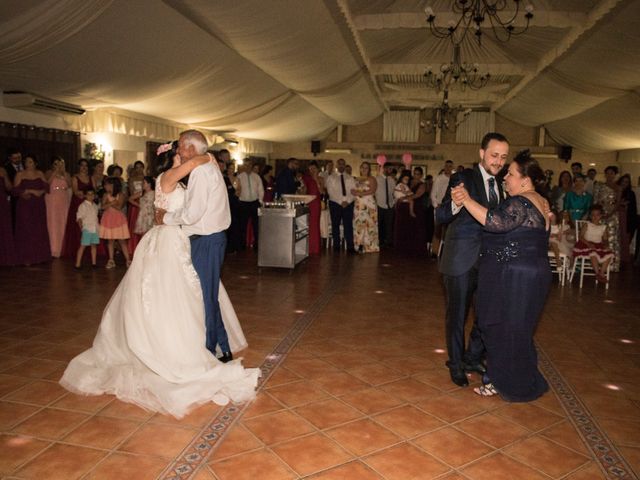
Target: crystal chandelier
{"x": 445, "y": 116}
{"x": 464, "y": 74}
{"x": 473, "y": 14}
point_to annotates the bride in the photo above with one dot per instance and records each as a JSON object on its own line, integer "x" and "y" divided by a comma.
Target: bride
{"x": 150, "y": 346}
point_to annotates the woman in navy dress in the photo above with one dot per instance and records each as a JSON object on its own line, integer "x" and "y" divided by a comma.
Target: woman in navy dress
{"x": 513, "y": 282}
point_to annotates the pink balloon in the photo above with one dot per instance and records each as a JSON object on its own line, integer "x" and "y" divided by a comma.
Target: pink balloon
{"x": 381, "y": 160}
{"x": 407, "y": 158}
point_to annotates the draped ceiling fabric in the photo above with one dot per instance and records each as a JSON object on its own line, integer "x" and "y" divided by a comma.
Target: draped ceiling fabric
{"x": 291, "y": 70}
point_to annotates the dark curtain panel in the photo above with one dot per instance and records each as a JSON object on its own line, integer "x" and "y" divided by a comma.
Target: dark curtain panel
{"x": 44, "y": 143}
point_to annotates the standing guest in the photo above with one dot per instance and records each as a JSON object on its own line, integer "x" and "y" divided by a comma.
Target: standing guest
{"x": 286, "y": 183}
{"x": 339, "y": 186}
{"x": 627, "y": 216}
{"x": 636, "y": 191}
{"x": 576, "y": 169}
{"x": 31, "y": 237}
{"x": 577, "y": 202}
{"x": 314, "y": 184}
{"x": 87, "y": 218}
{"x": 385, "y": 201}
{"x": 428, "y": 208}
{"x": 365, "y": 216}
{"x": 136, "y": 179}
{"x": 250, "y": 192}
{"x": 403, "y": 194}
{"x": 98, "y": 176}
{"x": 233, "y": 232}
{"x": 144, "y": 223}
{"x": 419, "y": 189}
{"x": 113, "y": 225}
{"x": 7, "y": 245}
{"x": 590, "y": 180}
{"x": 440, "y": 184}
{"x": 514, "y": 280}
{"x": 268, "y": 183}
{"x": 12, "y": 166}
{"x": 593, "y": 244}
{"x": 606, "y": 195}
{"x": 57, "y": 201}
{"x": 565, "y": 185}
{"x": 80, "y": 183}
{"x": 348, "y": 170}
{"x": 461, "y": 251}
{"x": 328, "y": 169}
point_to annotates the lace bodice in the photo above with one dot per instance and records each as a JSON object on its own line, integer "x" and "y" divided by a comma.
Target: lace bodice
{"x": 169, "y": 202}
{"x": 512, "y": 213}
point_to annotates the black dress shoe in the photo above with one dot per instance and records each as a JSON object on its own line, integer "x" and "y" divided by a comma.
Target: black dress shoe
{"x": 226, "y": 357}
{"x": 458, "y": 377}
{"x": 475, "y": 367}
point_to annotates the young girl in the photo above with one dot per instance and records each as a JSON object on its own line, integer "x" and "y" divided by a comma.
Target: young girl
{"x": 562, "y": 235}
{"x": 403, "y": 193}
{"x": 87, "y": 217}
{"x": 593, "y": 243}
{"x": 113, "y": 225}
{"x": 145, "y": 217}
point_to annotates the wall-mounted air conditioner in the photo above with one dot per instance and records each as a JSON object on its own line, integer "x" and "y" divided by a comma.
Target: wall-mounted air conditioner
{"x": 36, "y": 103}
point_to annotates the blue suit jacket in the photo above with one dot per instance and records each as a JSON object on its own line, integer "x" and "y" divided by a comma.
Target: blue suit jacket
{"x": 464, "y": 234}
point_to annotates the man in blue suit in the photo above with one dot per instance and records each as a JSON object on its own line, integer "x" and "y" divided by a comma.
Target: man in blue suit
{"x": 459, "y": 259}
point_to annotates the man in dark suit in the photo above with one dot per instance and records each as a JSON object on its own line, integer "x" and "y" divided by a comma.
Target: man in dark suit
{"x": 458, "y": 262}
{"x": 286, "y": 183}
{"x": 13, "y": 166}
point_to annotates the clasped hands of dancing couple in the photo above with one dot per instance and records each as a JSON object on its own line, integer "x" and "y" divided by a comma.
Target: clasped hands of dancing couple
{"x": 497, "y": 246}
{"x": 157, "y": 341}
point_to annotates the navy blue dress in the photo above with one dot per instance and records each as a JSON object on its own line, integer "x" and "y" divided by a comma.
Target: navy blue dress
{"x": 514, "y": 279}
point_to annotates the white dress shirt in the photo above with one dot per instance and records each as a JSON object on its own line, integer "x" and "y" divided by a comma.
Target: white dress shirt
{"x": 206, "y": 206}
{"x": 334, "y": 188}
{"x": 439, "y": 188}
{"x": 88, "y": 213}
{"x": 385, "y": 183}
{"x": 251, "y": 188}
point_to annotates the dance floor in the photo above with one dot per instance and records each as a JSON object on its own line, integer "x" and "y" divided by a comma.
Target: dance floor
{"x": 354, "y": 385}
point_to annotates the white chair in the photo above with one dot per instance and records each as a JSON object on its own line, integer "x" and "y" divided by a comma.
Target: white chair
{"x": 563, "y": 270}
{"x": 583, "y": 262}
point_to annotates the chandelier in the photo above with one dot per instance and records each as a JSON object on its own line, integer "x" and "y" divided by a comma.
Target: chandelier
{"x": 464, "y": 74}
{"x": 445, "y": 116}
{"x": 473, "y": 14}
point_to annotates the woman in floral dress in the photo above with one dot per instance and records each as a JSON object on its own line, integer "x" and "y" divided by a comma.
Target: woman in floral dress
{"x": 365, "y": 212}
{"x": 606, "y": 195}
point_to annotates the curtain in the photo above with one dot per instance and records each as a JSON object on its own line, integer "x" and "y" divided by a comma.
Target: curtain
{"x": 401, "y": 126}
{"x": 473, "y": 127}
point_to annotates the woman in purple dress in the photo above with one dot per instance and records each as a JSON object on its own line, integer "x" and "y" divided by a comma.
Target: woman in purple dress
{"x": 7, "y": 246}
{"x": 31, "y": 237}
{"x": 80, "y": 183}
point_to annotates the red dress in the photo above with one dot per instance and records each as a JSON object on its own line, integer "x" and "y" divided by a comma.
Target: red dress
{"x": 314, "y": 214}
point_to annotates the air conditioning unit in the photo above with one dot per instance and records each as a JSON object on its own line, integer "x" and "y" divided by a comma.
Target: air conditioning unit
{"x": 36, "y": 103}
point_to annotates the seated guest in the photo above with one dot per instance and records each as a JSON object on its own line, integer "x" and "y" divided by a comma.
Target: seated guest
{"x": 31, "y": 237}
{"x": 593, "y": 244}
{"x": 562, "y": 236}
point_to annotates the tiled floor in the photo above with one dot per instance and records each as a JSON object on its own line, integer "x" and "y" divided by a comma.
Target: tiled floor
{"x": 354, "y": 386}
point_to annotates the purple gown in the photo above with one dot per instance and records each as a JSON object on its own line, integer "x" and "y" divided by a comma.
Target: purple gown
{"x": 32, "y": 236}
{"x": 7, "y": 246}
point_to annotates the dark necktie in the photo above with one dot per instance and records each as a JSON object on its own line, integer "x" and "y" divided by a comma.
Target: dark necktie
{"x": 344, "y": 188}
{"x": 493, "y": 198}
{"x": 386, "y": 188}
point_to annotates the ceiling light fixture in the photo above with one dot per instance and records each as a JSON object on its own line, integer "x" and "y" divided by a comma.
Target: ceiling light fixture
{"x": 456, "y": 72}
{"x": 473, "y": 14}
{"x": 445, "y": 116}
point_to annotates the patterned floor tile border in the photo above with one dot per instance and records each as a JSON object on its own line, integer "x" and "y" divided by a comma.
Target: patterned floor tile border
{"x": 187, "y": 463}
{"x": 606, "y": 454}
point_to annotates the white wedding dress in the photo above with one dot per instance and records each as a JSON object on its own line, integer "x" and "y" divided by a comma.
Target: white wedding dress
{"x": 150, "y": 346}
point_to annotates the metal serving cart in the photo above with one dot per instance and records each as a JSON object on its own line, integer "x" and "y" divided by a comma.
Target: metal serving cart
{"x": 284, "y": 232}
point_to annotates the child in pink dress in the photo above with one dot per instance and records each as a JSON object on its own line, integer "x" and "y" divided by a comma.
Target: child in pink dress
{"x": 113, "y": 225}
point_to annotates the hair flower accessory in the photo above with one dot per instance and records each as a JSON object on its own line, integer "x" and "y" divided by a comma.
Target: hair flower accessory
{"x": 165, "y": 147}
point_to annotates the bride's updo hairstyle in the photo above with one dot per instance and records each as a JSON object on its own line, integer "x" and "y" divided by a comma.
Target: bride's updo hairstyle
{"x": 165, "y": 153}
{"x": 529, "y": 167}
